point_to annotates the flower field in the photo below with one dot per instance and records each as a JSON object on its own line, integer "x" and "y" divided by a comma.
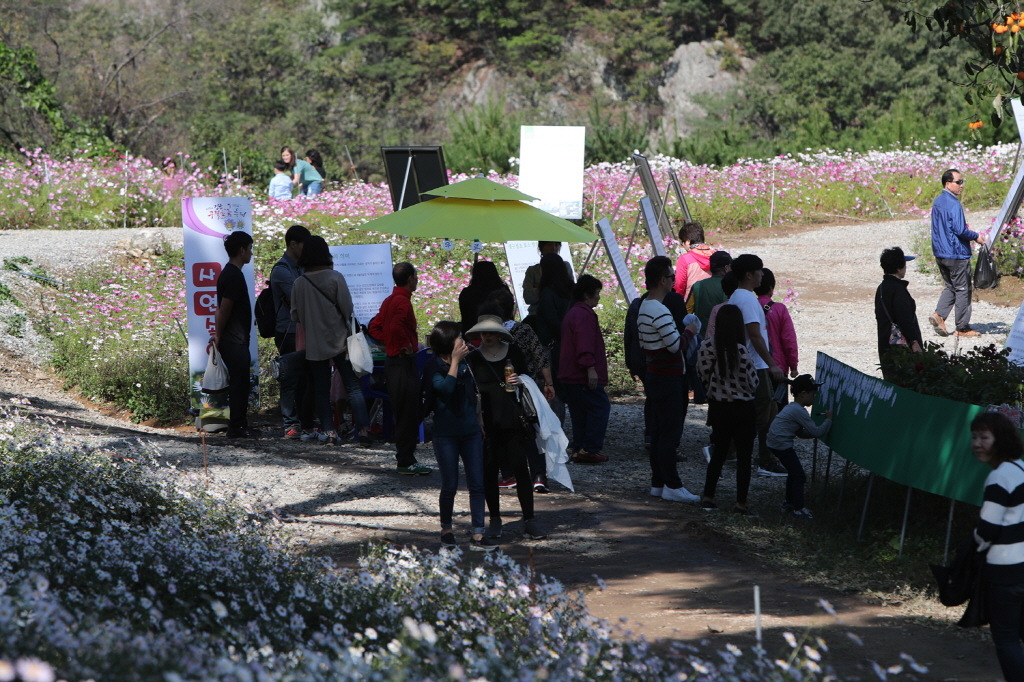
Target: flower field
{"x": 136, "y": 306}
{"x": 119, "y": 567}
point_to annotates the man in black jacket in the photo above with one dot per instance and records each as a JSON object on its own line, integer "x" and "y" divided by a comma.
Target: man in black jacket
{"x": 895, "y": 306}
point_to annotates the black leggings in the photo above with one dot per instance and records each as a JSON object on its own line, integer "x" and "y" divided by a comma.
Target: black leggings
{"x": 508, "y": 446}
{"x": 731, "y": 423}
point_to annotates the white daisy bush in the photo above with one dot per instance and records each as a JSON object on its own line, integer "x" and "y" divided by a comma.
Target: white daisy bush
{"x": 116, "y": 566}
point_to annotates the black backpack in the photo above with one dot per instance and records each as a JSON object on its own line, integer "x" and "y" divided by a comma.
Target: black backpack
{"x": 266, "y": 311}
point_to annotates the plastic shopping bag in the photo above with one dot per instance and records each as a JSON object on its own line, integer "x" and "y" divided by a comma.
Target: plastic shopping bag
{"x": 215, "y": 378}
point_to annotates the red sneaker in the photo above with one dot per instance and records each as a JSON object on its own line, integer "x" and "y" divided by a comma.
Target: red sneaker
{"x": 507, "y": 483}
{"x": 584, "y": 457}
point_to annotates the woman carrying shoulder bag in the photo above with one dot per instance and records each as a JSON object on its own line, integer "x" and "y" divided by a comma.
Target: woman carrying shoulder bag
{"x": 321, "y": 302}
{"x": 895, "y": 309}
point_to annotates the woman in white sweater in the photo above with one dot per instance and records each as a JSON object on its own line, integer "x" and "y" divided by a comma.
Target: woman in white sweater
{"x": 321, "y": 302}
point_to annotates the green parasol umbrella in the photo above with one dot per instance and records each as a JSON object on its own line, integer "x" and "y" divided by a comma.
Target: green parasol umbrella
{"x": 479, "y": 209}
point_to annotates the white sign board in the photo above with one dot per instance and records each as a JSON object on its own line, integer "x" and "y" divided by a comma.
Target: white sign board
{"x": 651, "y": 221}
{"x": 1015, "y": 339}
{"x": 618, "y": 262}
{"x": 551, "y": 168}
{"x": 521, "y": 255}
{"x": 207, "y": 221}
{"x": 367, "y": 271}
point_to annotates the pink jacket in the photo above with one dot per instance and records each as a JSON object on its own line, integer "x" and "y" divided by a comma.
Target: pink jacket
{"x": 781, "y": 334}
{"x": 700, "y": 256}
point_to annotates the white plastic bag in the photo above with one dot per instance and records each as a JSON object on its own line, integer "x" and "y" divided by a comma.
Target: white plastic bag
{"x": 359, "y": 351}
{"x": 215, "y": 378}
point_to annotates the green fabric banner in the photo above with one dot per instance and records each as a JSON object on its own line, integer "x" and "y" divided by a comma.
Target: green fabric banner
{"x": 917, "y": 440}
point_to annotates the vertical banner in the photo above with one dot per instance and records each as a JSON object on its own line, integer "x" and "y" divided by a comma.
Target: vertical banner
{"x": 367, "y": 271}
{"x": 551, "y": 168}
{"x": 521, "y": 255}
{"x": 208, "y": 220}
{"x": 611, "y": 247}
{"x": 651, "y": 221}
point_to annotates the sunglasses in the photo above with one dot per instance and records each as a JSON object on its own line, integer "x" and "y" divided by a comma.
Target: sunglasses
{"x": 958, "y": 182}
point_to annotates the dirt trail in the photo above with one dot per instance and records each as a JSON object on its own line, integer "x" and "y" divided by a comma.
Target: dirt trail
{"x": 663, "y": 568}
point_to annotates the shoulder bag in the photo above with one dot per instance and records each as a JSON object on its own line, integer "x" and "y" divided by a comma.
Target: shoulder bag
{"x": 896, "y": 337}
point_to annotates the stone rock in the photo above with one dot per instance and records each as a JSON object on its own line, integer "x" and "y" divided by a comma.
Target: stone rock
{"x": 150, "y": 242}
{"x": 695, "y": 69}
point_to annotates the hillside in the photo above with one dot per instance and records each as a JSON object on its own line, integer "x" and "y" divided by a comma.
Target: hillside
{"x": 710, "y": 81}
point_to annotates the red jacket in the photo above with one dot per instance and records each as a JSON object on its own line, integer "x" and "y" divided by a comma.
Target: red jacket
{"x": 395, "y": 324}
{"x": 582, "y": 347}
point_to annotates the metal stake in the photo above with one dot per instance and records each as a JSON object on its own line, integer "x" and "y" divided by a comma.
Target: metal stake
{"x": 903, "y": 532}
{"x": 949, "y": 531}
{"x": 842, "y": 486}
{"x": 863, "y": 515}
{"x": 593, "y": 248}
{"x": 757, "y": 613}
{"x": 828, "y": 470}
{"x": 636, "y": 225}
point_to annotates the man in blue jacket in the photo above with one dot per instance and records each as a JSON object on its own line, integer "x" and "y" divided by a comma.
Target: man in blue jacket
{"x": 951, "y": 245}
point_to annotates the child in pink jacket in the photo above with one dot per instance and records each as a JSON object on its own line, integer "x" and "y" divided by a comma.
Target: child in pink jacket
{"x": 781, "y": 334}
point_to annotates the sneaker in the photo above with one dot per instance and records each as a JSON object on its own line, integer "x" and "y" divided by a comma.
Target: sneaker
{"x": 540, "y": 484}
{"x": 484, "y": 544}
{"x": 494, "y": 528}
{"x": 415, "y": 470}
{"x": 242, "y": 432}
{"x": 938, "y": 324}
{"x": 708, "y": 451}
{"x": 804, "y": 513}
{"x": 507, "y": 483}
{"x": 310, "y": 436}
{"x": 448, "y": 540}
{"x": 329, "y": 438}
{"x": 773, "y": 469}
{"x": 293, "y": 433}
{"x": 584, "y": 457}
{"x": 966, "y": 333}
{"x": 678, "y": 495}
{"x": 708, "y": 505}
{"x": 532, "y": 530}
{"x": 656, "y": 492}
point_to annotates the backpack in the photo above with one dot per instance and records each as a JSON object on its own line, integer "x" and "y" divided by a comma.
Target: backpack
{"x": 266, "y": 311}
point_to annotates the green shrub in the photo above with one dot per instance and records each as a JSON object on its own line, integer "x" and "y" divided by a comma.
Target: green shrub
{"x": 483, "y": 138}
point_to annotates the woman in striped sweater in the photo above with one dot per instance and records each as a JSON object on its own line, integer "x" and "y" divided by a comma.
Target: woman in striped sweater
{"x": 997, "y": 442}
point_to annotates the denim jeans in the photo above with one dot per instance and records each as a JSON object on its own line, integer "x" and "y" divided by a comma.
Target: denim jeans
{"x": 447, "y": 451}
{"x": 666, "y": 400}
{"x": 321, "y": 370}
{"x": 796, "y": 479}
{"x": 588, "y": 410}
{"x": 296, "y": 398}
{"x": 312, "y": 188}
{"x": 1006, "y": 611}
{"x": 238, "y": 361}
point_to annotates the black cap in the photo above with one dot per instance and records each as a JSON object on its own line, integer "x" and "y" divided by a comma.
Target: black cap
{"x": 719, "y": 259}
{"x": 804, "y": 382}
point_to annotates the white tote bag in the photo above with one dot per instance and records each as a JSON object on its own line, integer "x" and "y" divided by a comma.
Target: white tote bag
{"x": 359, "y": 351}
{"x": 215, "y": 378}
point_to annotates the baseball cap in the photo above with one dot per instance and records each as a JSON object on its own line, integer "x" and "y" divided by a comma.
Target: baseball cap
{"x": 804, "y": 382}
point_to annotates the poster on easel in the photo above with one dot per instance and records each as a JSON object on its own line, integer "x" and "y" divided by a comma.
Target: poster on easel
{"x": 643, "y": 169}
{"x": 521, "y": 256}
{"x": 367, "y": 272}
{"x": 551, "y": 168}
{"x": 611, "y": 246}
{"x": 1015, "y": 339}
{"x": 1012, "y": 202}
{"x": 207, "y": 222}
{"x": 651, "y": 222}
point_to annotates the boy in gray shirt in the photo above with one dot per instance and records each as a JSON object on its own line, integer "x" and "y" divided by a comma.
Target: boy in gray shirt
{"x": 794, "y": 422}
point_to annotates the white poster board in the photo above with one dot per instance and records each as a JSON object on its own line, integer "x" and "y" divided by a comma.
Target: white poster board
{"x": 367, "y": 271}
{"x": 1015, "y": 339}
{"x": 207, "y": 221}
{"x": 651, "y": 221}
{"x": 611, "y": 247}
{"x": 1014, "y": 197}
{"x": 551, "y": 168}
{"x": 521, "y": 255}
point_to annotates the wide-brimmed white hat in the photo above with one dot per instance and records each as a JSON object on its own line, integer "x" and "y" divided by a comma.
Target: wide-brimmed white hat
{"x": 487, "y": 323}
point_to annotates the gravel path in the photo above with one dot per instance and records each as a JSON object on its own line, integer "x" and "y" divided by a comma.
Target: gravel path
{"x": 340, "y": 496}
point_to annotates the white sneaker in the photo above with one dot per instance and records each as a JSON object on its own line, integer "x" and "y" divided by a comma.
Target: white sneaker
{"x": 804, "y": 513}
{"x": 708, "y": 451}
{"x": 656, "y": 492}
{"x": 770, "y": 474}
{"x": 678, "y": 495}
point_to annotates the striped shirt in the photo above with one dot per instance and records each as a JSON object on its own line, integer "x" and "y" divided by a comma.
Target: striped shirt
{"x": 660, "y": 339}
{"x": 1002, "y": 524}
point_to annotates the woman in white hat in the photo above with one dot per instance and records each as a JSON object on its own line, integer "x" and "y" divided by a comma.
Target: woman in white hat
{"x": 504, "y": 433}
